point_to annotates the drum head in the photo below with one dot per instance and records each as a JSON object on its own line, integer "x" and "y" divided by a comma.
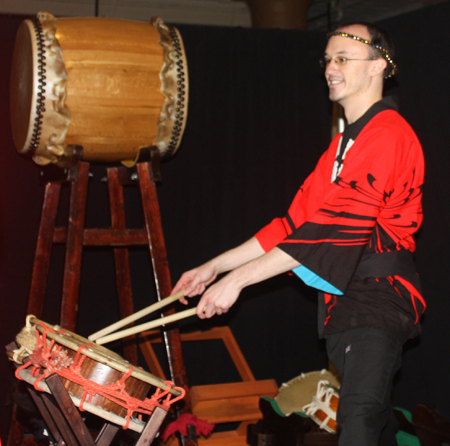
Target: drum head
{"x": 23, "y": 99}
{"x": 298, "y": 392}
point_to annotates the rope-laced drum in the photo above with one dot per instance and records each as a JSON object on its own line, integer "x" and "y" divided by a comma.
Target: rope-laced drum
{"x": 98, "y": 380}
{"x": 316, "y": 394}
{"x": 109, "y": 86}
{"x": 323, "y": 407}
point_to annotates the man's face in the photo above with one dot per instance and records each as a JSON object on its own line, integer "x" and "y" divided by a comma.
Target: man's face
{"x": 349, "y": 81}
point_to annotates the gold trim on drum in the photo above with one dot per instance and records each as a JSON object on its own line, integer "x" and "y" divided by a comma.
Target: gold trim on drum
{"x": 40, "y": 119}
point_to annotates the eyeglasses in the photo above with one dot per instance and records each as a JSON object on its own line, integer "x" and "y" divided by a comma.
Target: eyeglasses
{"x": 325, "y": 61}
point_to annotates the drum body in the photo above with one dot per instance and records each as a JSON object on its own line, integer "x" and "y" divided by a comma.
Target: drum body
{"x": 105, "y": 376}
{"x": 97, "y": 379}
{"x": 110, "y": 86}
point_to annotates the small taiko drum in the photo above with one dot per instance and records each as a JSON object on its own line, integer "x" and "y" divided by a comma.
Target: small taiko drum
{"x": 323, "y": 407}
{"x": 97, "y": 379}
{"x": 104, "y": 87}
{"x": 298, "y": 392}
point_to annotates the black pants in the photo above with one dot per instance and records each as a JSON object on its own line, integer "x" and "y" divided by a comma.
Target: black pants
{"x": 367, "y": 359}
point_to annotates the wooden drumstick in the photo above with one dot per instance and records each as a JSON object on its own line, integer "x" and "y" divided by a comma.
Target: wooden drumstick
{"x": 146, "y": 326}
{"x": 150, "y": 309}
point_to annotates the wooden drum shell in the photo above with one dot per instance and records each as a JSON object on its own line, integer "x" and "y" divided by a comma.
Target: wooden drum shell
{"x": 113, "y": 89}
{"x": 105, "y": 375}
{"x": 111, "y": 86}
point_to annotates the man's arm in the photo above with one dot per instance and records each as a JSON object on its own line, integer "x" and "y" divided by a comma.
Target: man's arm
{"x": 219, "y": 298}
{"x": 195, "y": 281}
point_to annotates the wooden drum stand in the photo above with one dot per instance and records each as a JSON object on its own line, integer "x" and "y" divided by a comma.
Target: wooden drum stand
{"x": 75, "y": 236}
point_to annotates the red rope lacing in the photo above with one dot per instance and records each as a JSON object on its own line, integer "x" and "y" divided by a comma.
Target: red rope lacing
{"x": 45, "y": 361}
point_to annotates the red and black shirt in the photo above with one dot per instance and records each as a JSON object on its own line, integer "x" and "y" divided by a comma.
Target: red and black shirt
{"x": 351, "y": 226}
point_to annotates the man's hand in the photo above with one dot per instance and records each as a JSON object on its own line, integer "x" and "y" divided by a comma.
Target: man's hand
{"x": 195, "y": 281}
{"x": 218, "y": 298}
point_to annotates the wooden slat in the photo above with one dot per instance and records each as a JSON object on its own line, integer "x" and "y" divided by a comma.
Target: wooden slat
{"x": 121, "y": 259}
{"x": 69, "y": 410}
{"x": 43, "y": 249}
{"x": 228, "y": 410}
{"x": 106, "y": 236}
{"x": 230, "y": 402}
{"x": 224, "y": 334}
{"x": 74, "y": 249}
{"x": 152, "y": 427}
{"x": 210, "y": 392}
{"x": 106, "y": 434}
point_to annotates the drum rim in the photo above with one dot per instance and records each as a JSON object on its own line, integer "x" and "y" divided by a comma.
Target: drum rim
{"x": 49, "y": 94}
{"x": 30, "y": 141}
{"x": 324, "y": 373}
{"x": 175, "y": 88}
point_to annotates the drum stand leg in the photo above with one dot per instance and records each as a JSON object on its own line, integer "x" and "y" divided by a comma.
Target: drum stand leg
{"x": 75, "y": 236}
{"x": 67, "y": 426}
{"x": 148, "y": 173}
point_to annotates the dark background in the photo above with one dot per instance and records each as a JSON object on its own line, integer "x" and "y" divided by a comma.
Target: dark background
{"x": 258, "y": 121}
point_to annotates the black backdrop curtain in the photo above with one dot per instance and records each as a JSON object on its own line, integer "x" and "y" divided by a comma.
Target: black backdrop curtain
{"x": 258, "y": 121}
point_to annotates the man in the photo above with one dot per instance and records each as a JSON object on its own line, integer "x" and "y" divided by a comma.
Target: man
{"x": 348, "y": 233}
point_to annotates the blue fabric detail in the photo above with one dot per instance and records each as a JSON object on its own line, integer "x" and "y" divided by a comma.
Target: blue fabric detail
{"x": 312, "y": 279}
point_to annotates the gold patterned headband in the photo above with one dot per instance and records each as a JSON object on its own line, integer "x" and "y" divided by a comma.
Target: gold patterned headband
{"x": 382, "y": 50}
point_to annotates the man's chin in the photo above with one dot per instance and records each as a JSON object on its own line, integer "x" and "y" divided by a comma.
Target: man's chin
{"x": 333, "y": 97}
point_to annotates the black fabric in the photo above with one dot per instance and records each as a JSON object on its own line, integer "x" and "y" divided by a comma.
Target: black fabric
{"x": 385, "y": 264}
{"x": 375, "y": 302}
{"x": 367, "y": 360}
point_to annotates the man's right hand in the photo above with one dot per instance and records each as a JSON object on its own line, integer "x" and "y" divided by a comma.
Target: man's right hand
{"x": 195, "y": 281}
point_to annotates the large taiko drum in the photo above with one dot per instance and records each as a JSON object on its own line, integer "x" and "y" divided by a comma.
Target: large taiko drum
{"x": 97, "y": 379}
{"x": 110, "y": 86}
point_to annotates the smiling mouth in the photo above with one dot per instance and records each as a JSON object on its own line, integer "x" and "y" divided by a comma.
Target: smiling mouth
{"x": 332, "y": 80}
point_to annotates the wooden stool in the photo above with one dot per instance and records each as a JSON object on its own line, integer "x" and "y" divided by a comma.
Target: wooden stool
{"x": 219, "y": 403}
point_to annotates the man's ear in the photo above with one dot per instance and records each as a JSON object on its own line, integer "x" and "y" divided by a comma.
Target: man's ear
{"x": 379, "y": 66}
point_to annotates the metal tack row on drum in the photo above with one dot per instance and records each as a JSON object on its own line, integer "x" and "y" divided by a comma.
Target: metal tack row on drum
{"x": 111, "y": 86}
